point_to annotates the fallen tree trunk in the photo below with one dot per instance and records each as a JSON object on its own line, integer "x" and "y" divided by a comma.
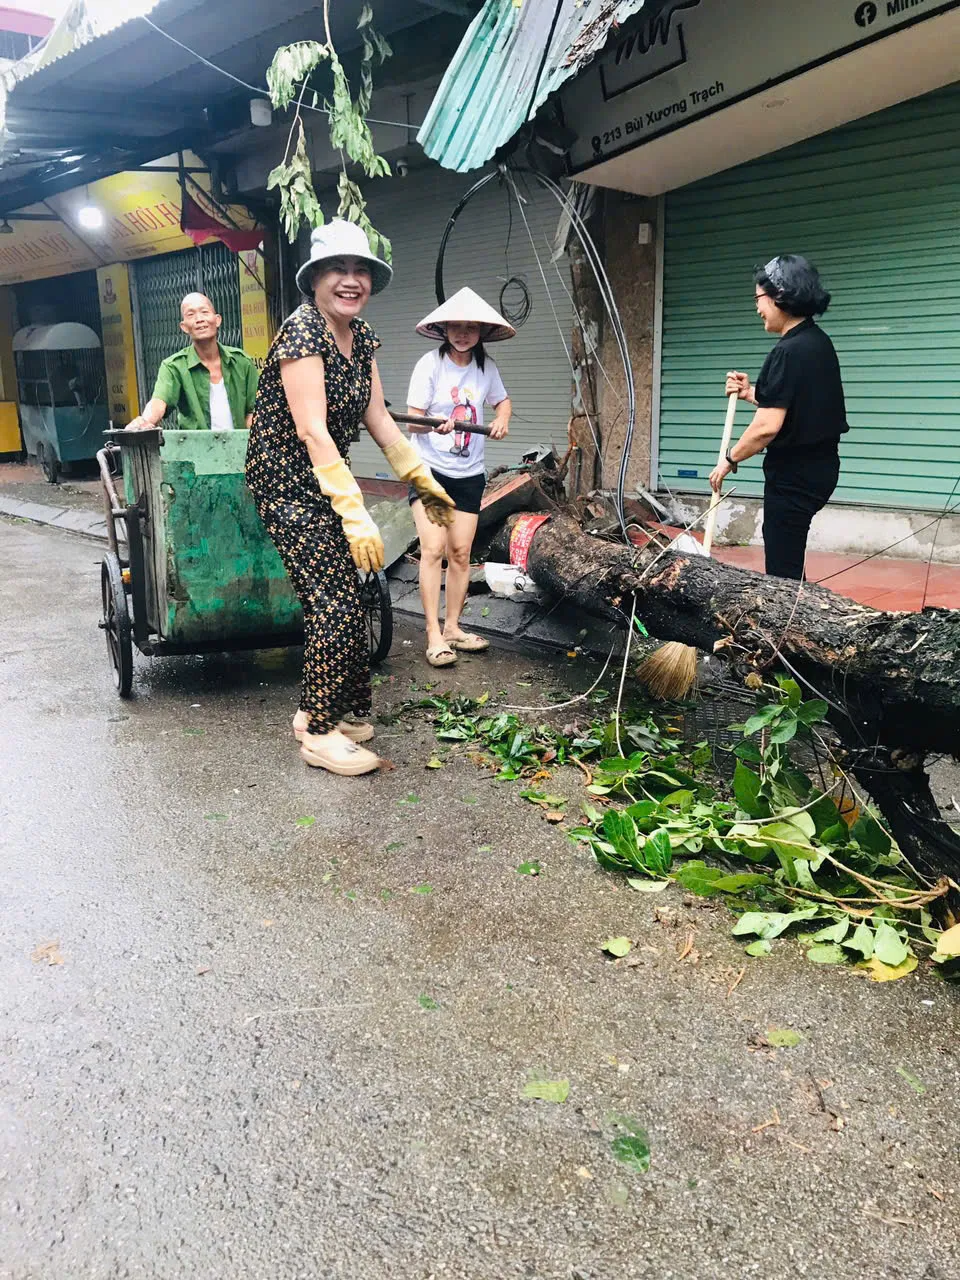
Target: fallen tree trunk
{"x": 892, "y": 679}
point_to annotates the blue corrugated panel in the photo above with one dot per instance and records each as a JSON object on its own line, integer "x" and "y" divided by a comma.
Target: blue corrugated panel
{"x": 499, "y": 77}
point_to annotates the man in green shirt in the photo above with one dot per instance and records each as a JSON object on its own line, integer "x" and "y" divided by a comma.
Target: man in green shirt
{"x": 212, "y": 387}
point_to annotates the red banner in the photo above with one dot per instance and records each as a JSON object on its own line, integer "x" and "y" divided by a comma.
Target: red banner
{"x": 199, "y": 225}
{"x": 521, "y": 537}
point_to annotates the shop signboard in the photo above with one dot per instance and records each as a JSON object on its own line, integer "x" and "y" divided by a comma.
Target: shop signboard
{"x": 119, "y": 352}
{"x": 697, "y": 57}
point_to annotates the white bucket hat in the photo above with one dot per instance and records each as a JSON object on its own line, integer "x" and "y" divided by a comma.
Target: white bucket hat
{"x": 341, "y": 239}
{"x": 466, "y": 307}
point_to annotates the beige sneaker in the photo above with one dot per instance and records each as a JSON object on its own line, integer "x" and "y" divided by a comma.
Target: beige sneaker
{"x": 356, "y": 731}
{"x": 337, "y": 754}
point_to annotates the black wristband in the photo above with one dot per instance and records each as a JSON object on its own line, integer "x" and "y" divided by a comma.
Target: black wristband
{"x": 731, "y": 463}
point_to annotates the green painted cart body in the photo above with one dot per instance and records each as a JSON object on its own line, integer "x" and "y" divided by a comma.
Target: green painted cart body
{"x": 196, "y": 571}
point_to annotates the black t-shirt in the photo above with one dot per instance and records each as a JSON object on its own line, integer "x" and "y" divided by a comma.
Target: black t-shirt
{"x": 802, "y": 375}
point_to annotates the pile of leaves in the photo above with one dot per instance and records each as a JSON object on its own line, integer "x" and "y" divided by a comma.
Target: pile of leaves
{"x": 784, "y": 854}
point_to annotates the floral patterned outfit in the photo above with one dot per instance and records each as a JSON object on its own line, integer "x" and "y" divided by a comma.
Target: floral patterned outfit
{"x": 303, "y": 525}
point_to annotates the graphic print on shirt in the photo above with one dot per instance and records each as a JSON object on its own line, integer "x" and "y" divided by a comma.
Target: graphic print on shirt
{"x": 463, "y": 411}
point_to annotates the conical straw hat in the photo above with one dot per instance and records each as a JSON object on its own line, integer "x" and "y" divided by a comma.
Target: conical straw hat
{"x": 466, "y": 307}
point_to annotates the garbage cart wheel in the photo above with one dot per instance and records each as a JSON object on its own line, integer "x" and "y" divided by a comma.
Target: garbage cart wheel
{"x": 375, "y": 597}
{"x": 49, "y": 462}
{"x": 116, "y": 624}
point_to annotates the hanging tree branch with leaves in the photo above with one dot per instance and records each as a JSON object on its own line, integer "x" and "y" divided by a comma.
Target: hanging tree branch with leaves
{"x": 288, "y": 81}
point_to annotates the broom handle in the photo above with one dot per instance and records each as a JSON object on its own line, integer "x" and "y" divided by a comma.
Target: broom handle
{"x": 423, "y": 421}
{"x": 710, "y": 523}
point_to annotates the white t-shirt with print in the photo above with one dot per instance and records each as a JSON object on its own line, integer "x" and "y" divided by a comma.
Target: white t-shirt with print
{"x": 443, "y": 389}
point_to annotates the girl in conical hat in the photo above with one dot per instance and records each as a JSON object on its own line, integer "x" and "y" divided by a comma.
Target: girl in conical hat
{"x": 454, "y": 382}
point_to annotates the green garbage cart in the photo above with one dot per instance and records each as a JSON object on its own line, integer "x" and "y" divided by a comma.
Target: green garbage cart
{"x": 190, "y": 568}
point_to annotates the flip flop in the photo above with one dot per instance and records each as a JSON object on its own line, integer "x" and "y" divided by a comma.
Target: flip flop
{"x": 441, "y": 655}
{"x": 470, "y": 644}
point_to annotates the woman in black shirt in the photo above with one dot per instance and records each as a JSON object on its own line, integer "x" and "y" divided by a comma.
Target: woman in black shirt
{"x": 800, "y": 416}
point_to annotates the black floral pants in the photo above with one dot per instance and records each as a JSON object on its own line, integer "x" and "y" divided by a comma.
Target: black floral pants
{"x": 336, "y": 657}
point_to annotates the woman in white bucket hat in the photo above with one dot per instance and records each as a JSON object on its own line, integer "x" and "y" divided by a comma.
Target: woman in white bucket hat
{"x": 454, "y": 383}
{"x": 320, "y": 381}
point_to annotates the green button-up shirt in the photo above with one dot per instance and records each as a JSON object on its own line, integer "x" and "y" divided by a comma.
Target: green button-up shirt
{"x": 183, "y": 383}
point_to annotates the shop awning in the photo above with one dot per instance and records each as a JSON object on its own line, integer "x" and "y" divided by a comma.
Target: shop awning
{"x": 119, "y": 84}
{"x": 503, "y": 73}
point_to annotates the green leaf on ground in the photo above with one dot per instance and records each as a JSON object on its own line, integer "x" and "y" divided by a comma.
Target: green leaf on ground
{"x": 861, "y": 940}
{"x": 427, "y": 1002}
{"x": 648, "y": 886}
{"x": 422, "y": 888}
{"x": 833, "y": 932}
{"x": 759, "y": 948}
{"x": 918, "y": 1087}
{"x": 618, "y": 947}
{"x": 434, "y": 763}
{"x": 410, "y": 798}
{"x": 305, "y": 822}
{"x": 634, "y": 1152}
{"x": 869, "y": 835}
{"x": 706, "y": 881}
{"x": 770, "y": 924}
{"x": 889, "y": 948}
{"x": 529, "y": 869}
{"x": 783, "y": 1037}
{"x": 485, "y": 848}
{"x": 546, "y": 1090}
{"x": 631, "y": 1146}
{"x": 826, "y": 953}
{"x": 485, "y": 611}
{"x": 393, "y": 846}
{"x": 746, "y": 790}
{"x": 812, "y": 711}
{"x": 657, "y": 853}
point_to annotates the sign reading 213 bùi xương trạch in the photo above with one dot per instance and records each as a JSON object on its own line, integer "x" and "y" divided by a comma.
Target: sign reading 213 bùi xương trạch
{"x": 695, "y": 57}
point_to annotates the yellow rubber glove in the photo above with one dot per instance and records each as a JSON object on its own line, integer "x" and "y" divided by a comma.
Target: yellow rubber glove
{"x": 366, "y": 545}
{"x": 409, "y": 466}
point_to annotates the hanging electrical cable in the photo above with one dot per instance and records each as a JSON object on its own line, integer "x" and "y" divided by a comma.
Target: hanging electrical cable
{"x": 448, "y": 230}
{"x": 592, "y": 254}
{"x": 515, "y": 301}
{"x": 606, "y": 292}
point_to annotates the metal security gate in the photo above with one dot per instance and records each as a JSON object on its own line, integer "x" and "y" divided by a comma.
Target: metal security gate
{"x": 160, "y": 285}
{"x": 876, "y": 205}
{"x": 490, "y": 243}
{"x": 74, "y": 297}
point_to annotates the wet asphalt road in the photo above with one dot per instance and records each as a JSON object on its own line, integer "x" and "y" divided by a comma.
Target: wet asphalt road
{"x": 232, "y": 1074}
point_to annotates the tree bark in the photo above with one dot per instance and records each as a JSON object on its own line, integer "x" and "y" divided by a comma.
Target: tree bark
{"x": 892, "y": 679}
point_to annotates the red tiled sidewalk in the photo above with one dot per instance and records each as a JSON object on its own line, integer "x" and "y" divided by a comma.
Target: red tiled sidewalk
{"x": 882, "y": 583}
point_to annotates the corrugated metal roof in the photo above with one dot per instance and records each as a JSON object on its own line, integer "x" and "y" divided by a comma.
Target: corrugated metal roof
{"x": 81, "y": 22}
{"x": 499, "y": 77}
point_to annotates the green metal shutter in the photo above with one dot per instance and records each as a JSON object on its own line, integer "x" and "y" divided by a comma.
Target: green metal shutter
{"x": 489, "y": 243}
{"x": 876, "y": 205}
{"x": 161, "y": 285}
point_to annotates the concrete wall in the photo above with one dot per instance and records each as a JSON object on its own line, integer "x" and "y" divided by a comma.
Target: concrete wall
{"x": 839, "y": 527}
{"x": 631, "y": 267}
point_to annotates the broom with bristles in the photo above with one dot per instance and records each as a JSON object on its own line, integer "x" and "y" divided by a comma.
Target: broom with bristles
{"x": 670, "y": 672}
